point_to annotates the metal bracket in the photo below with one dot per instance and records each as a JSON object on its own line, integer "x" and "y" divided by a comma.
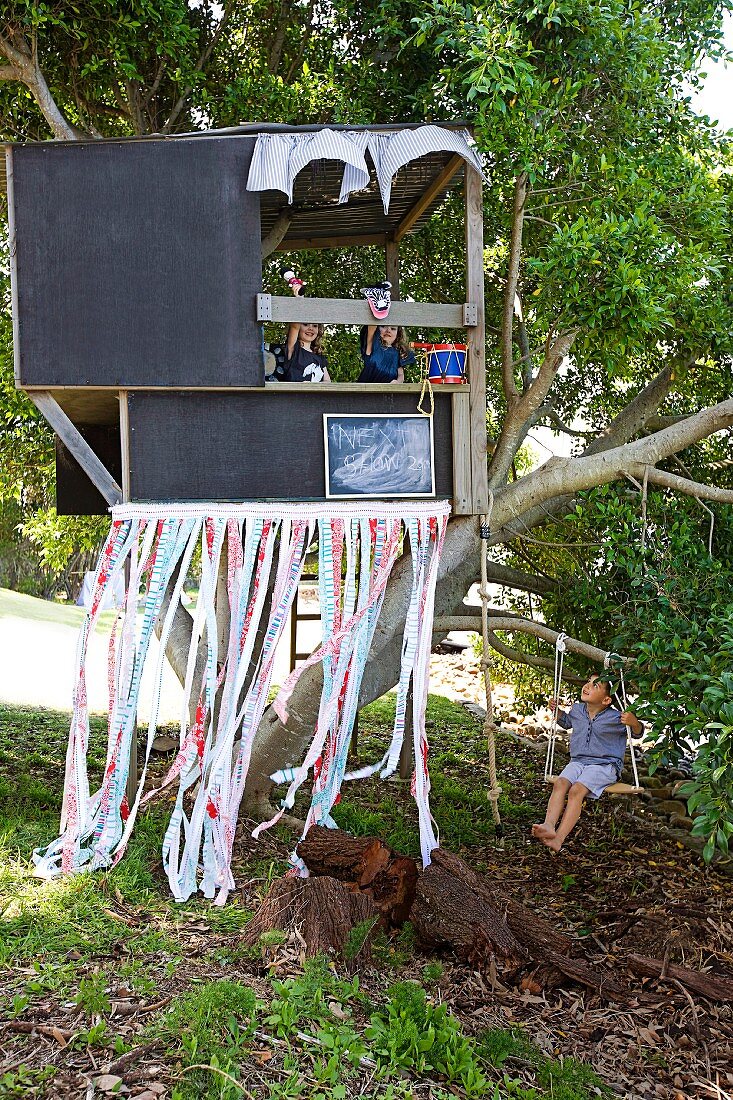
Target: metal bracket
{"x": 470, "y": 314}
{"x": 264, "y": 307}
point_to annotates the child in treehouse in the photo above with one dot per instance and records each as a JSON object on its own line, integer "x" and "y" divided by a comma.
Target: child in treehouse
{"x": 385, "y": 353}
{"x": 597, "y": 747}
{"x": 304, "y": 360}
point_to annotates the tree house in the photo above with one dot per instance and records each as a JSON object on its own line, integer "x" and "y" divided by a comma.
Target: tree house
{"x": 138, "y": 305}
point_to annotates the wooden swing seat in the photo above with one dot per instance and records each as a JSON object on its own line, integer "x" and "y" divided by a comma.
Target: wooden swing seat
{"x": 613, "y": 788}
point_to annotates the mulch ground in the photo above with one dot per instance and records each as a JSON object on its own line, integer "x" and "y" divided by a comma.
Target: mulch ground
{"x": 620, "y": 887}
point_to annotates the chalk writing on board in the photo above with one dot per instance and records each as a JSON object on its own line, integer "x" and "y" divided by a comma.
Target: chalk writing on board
{"x": 374, "y": 455}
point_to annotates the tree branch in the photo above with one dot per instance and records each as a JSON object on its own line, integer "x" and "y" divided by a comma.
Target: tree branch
{"x": 633, "y": 418}
{"x": 524, "y": 347}
{"x": 501, "y": 620}
{"x": 25, "y": 62}
{"x": 203, "y": 58}
{"x": 560, "y": 477}
{"x": 519, "y": 657}
{"x": 515, "y": 578}
{"x": 688, "y": 487}
{"x": 520, "y": 414}
{"x": 559, "y": 423}
{"x": 521, "y": 189}
{"x": 277, "y": 233}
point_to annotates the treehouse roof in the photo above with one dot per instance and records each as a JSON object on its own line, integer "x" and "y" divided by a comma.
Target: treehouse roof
{"x": 341, "y": 185}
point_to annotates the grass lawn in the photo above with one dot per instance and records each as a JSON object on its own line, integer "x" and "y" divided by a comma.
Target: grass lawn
{"x": 106, "y": 980}
{"x": 18, "y": 606}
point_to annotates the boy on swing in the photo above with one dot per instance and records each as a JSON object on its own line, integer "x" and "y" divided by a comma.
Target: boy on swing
{"x": 597, "y": 747}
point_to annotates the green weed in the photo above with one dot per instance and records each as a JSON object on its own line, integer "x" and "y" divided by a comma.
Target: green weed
{"x": 306, "y": 997}
{"x": 96, "y": 1036}
{"x": 24, "y": 1082}
{"x": 432, "y": 972}
{"x": 412, "y": 1034}
{"x": 92, "y": 996}
{"x": 567, "y": 1079}
{"x": 358, "y": 936}
{"x": 211, "y": 1025}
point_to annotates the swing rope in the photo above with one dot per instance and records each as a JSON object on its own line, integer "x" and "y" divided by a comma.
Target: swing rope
{"x": 556, "y": 686}
{"x": 490, "y": 727}
{"x": 608, "y": 662}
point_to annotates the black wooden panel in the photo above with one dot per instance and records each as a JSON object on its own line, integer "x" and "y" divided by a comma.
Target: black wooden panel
{"x": 137, "y": 263}
{"x": 250, "y": 446}
{"x": 76, "y": 495}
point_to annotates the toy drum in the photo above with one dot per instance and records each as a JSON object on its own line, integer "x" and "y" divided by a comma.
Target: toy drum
{"x": 446, "y": 363}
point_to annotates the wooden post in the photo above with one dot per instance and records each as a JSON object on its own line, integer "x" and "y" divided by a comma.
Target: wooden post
{"x": 132, "y": 776}
{"x": 131, "y": 786}
{"x": 461, "y": 410}
{"x": 392, "y": 266}
{"x": 125, "y": 444}
{"x": 476, "y": 338}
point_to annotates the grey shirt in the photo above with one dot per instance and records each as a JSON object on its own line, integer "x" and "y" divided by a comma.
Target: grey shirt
{"x": 598, "y": 740}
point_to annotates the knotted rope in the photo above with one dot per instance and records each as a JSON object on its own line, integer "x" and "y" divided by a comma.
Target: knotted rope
{"x": 490, "y": 727}
{"x": 556, "y": 687}
{"x": 608, "y": 662}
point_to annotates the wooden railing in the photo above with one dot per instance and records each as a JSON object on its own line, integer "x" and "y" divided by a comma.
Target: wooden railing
{"x": 347, "y": 311}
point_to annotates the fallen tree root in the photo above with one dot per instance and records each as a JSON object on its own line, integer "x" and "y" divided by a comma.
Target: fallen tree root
{"x": 455, "y": 908}
{"x": 707, "y": 985}
{"x": 452, "y": 910}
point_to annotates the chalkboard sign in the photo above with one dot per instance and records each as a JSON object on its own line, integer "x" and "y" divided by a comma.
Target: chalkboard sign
{"x": 373, "y": 455}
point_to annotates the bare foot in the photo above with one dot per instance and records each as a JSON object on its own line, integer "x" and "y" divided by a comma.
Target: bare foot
{"x": 543, "y": 831}
{"x": 552, "y": 842}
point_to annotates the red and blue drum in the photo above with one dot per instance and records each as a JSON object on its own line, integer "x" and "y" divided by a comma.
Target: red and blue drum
{"x": 446, "y": 363}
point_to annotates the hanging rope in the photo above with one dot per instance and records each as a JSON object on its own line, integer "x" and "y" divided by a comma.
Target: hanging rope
{"x": 490, "y": 727}
{"x": 608, "y": 662}
{"x": 426, "y": 390}
{"x": 560, "y": 648}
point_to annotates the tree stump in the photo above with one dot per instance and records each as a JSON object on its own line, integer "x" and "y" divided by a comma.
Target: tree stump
{"x": 321, "y": 911}
{"x": 366, "y": 865}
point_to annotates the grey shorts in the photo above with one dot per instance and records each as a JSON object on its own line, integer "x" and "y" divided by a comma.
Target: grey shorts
{"x": 596, "y": 777}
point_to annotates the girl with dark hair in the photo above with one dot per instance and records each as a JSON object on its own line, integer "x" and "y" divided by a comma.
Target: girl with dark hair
{"x": 385, "y": 353}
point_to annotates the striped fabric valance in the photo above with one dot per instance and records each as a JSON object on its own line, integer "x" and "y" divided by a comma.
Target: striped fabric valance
{"x": 278, "y": 158}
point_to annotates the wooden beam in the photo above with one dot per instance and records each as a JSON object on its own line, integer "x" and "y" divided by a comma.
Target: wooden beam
{"x": 296, "y": 244}
{"x": 346, "y": 311}
{"x": 476, "y": 338}
{"x": 366, "y": 387}
{"x": 428, "y": 197}
{"x": 125, "y": 444}
{"x": 461, "y": 409}
{"x": 392, "y": 266}
{"x": 72, "y": 439}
